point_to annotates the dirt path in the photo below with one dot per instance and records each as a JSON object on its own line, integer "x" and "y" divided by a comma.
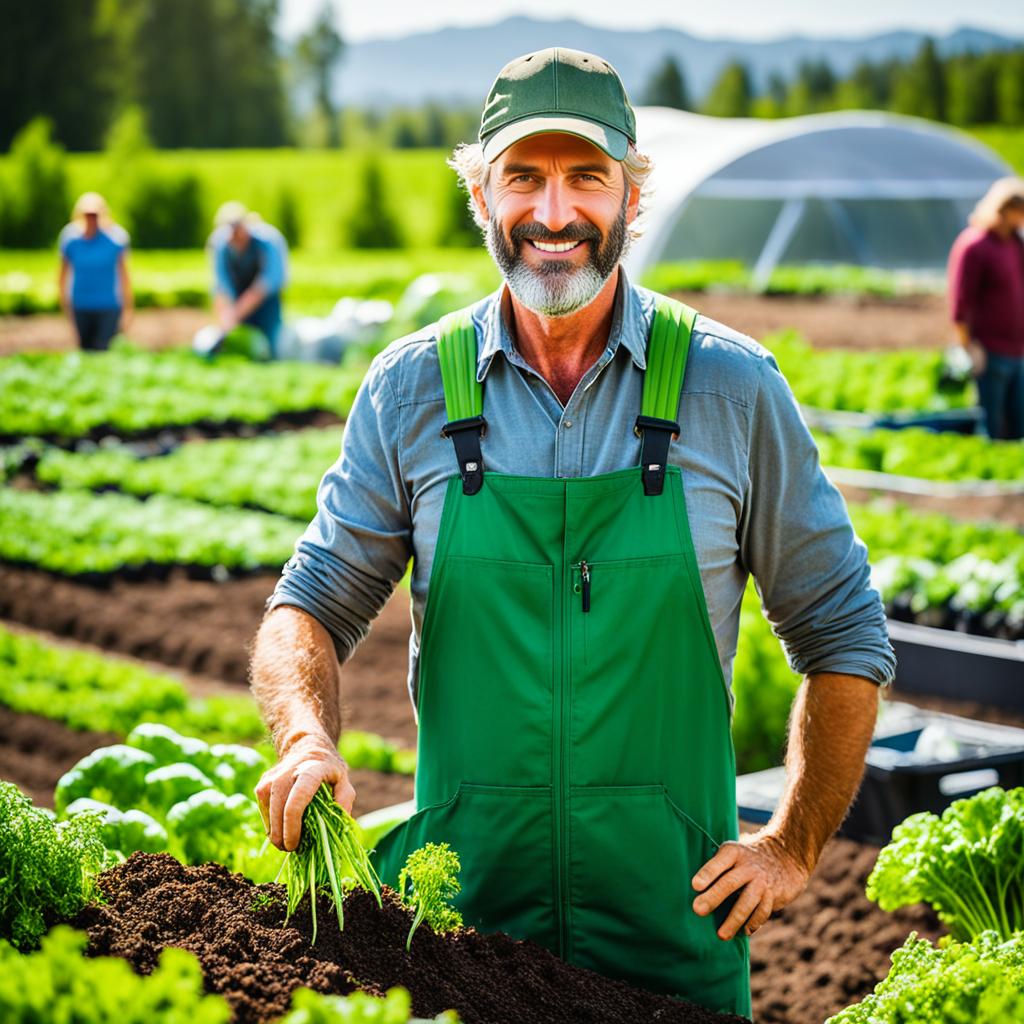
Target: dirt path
{"x": 152, "y": 328}
{"x": 918, "y": 322}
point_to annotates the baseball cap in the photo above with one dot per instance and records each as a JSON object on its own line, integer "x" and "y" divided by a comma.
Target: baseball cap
{"x": 557, "y": 90}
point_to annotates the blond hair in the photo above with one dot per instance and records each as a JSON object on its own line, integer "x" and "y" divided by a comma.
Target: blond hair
{"x": 467, "y": 161}
{"x": 1003, "y": 193}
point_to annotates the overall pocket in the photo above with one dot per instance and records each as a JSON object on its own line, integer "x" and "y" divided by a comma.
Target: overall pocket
{"x": 632, "y": 855}
{"x": 503, "y": 836}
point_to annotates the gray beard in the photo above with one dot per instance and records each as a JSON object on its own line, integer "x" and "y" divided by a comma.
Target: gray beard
{"x": 558, "y": 287}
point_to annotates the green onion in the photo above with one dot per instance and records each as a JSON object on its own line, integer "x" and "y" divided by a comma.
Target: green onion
{"x": 329, "y": 855}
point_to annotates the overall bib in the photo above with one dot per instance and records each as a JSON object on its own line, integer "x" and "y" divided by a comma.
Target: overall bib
{"x": 574, "y": 730}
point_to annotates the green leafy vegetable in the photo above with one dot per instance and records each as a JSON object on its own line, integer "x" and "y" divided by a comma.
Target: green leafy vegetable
{"x": 114, "y": 775}
{"x": 967, "y": 864}
{"x": 958, "y": 983}
{"x": 210, "y": 826}
{"x": 431, "y": 873}
{"x": 310, "y": 1007}
{"x": 47, "y": 870}
{"x": 123, "y": 831}
{"x": 58, "y": 984}
{"x": 329, "y": 856}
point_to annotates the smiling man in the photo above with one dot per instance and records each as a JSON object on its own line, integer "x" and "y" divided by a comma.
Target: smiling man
{"x": 584, "y": 474}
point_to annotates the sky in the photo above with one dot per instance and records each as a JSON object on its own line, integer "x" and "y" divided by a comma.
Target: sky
{"x": 738, "y": 19}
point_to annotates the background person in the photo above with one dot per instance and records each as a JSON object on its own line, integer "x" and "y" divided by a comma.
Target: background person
{"x": 986, "y": 294}
{"x": 250, "y": 261}
{"x": 94, "y": 256}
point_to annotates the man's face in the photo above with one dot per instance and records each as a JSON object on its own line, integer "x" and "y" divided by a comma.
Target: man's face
{"x": 557, "y": 210}
{"x": 239, "y": 236}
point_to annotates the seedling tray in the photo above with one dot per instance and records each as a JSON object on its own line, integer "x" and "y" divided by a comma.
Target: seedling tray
{"x": 918, "y": 761}
{"x": 960, "y": 666}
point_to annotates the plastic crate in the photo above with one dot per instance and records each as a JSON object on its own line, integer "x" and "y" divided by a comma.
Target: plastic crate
{"x": 917, "y": 761}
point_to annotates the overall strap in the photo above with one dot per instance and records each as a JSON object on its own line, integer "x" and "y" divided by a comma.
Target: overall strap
{"x": 663, "y": 381}
{"x": 463, "y": 396}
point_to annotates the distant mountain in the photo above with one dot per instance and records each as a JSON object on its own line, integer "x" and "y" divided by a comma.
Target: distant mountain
{"x": 457, "y": 65}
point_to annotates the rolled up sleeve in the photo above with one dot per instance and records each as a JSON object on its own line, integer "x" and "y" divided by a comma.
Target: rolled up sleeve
{"x": 358, "y": 545}
{"x": 796, "y": 538}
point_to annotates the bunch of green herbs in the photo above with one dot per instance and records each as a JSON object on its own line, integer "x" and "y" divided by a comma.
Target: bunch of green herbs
{"x": 329, "y": 856}
{"x": 426, "y": 884}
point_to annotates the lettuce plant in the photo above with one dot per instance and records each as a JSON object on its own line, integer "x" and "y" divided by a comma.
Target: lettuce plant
{"x": 954, "y": 983}
{"x": 967, "y": 864}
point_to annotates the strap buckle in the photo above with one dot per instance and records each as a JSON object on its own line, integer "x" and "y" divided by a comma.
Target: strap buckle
{"x": 656, "y": 435}
{"x": 465, "y": 435}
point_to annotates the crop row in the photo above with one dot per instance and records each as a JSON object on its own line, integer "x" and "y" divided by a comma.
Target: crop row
{"x": 89, "y": 691}
{"x": 125, "y": 391}
{"x": 277, "y": 474}
{"x": 78, "y": 533}
{"x": 925, "y": 454}
{"x": 872, "y": 382}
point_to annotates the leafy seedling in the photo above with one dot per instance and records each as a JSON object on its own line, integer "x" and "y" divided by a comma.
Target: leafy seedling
{"x": 432, "y": 872}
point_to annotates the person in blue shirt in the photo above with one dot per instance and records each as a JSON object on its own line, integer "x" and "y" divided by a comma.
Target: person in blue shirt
{"x": 249, "y": 259}
{"x": 94, "y": 262}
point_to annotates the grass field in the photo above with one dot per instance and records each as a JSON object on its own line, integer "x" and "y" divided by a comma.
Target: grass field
{"x": 325, "y": 184}
{"x": 1007, "y": 142}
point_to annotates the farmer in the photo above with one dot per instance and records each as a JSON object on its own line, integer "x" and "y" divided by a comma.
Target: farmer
{"x": 582, "y": 518}
{"x": 986, "y": 294}
{"x": 94, "y": 260}
{"x": 250, "y": 260}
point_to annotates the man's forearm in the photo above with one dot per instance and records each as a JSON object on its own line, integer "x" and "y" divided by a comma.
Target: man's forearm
{"x": 831, "y": 725}
{"x": 295, "y": 679}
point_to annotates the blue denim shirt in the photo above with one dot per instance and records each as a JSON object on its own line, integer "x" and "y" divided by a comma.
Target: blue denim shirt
{"x": 757, "y": 499}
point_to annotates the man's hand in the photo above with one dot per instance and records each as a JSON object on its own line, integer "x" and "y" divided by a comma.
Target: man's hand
{"x": 764, "y": 874}
{"x": 979, "y": 358}
{"x": 286, "y": 789}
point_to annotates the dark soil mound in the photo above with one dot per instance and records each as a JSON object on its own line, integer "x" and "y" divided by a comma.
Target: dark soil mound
{"x": 830, "y": 947}
{"x": 236, "y": 930}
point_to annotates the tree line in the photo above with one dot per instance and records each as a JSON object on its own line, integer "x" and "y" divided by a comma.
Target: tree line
{"x": 965, "y": 89}
{"x": 211, "y": 73}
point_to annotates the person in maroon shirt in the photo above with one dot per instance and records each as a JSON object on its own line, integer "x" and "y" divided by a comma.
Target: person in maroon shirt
{"x": 986, "y": 293}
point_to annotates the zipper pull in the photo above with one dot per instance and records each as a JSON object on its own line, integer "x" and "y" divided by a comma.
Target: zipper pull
{"x": 585, "y": 580}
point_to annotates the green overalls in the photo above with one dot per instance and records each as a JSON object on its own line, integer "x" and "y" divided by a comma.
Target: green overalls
{"x": 574, "y": 740}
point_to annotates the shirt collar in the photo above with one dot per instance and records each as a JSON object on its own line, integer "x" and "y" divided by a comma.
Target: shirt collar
{"x": 631, "y": 322}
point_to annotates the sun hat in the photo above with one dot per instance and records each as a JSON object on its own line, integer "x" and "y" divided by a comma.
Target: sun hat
{"x": 231, "y": 214}
{"x": 90, "y": 202}
{"x": 558, "y": 90}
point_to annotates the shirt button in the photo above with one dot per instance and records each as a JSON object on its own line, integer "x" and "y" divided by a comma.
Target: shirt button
{"x": 568, "y": 424}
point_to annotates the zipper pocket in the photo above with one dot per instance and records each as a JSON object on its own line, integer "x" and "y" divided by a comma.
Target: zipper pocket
{"x": 583, "y": 587}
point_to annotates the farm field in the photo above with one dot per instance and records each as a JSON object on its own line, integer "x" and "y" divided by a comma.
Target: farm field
{"x": 187, "y": 600}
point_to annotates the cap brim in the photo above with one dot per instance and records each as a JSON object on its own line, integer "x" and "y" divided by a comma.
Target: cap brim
{"x": 610, "y": 140}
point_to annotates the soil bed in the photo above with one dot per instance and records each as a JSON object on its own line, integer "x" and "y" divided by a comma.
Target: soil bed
{"x": 35, "y": 752}
{"x": 256, "y": 964}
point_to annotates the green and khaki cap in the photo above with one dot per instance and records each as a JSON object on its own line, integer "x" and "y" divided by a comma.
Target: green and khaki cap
{"x": 558, "y": 90}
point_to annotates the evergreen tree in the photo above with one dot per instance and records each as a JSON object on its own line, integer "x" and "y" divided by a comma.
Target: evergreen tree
{"x": 920, "y": 86}
{"x": 318, "y": 53}
{"x": 971, "y": 82}
{"x": 373, "y": 225}
{"x": 49, "y": 66}
{"x": 667, "y": 87}
{"x": 1010, "y": 89}
{"x": 459, "y": 229}
{"x": 731, "y": 94}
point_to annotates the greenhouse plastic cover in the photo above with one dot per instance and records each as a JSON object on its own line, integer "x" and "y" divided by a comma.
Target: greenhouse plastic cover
{"x": 846, "y": 187}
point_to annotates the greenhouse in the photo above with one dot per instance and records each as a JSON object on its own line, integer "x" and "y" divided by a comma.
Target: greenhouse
{"x": 855, "y": 187}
